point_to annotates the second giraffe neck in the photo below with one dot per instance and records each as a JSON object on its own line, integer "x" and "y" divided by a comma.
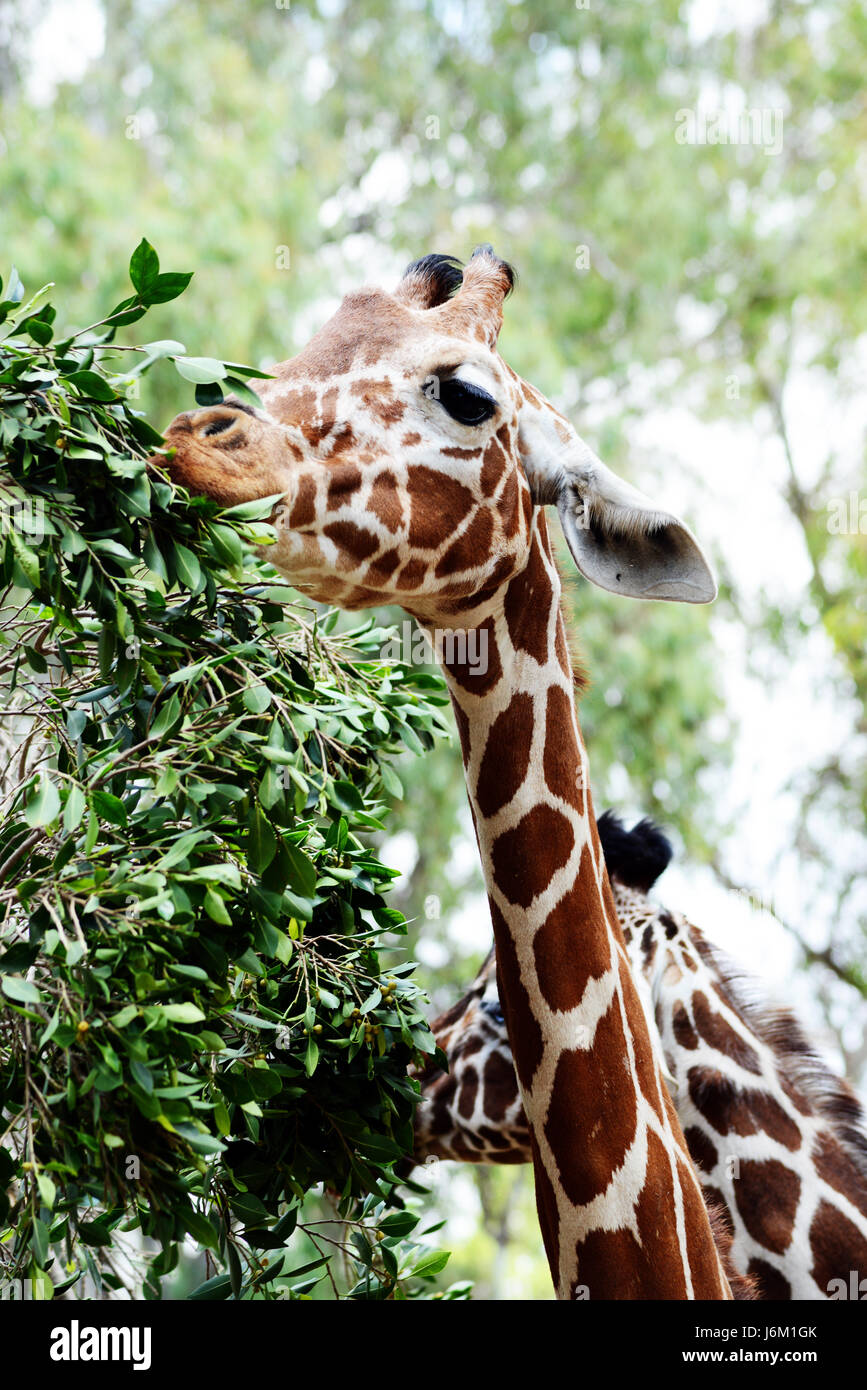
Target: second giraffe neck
{"x": 621, "y": 1212}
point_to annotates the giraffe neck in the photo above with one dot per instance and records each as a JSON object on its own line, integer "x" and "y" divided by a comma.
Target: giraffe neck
{"x": 620, "y": 1209}
{"x": 779, "y": 1140}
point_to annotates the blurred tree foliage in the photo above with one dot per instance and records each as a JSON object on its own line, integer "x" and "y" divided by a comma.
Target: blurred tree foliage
{"x": 302, "y": 150}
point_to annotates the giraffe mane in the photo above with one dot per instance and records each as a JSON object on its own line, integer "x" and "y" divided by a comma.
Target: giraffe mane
{"x": 638, "y": 856}
{"x": 571, "y": 583}
{"x": 799, "y": 1062}
{"x": 744, "y": 1287}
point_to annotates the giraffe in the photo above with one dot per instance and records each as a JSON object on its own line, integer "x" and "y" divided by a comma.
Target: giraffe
{"x": 780, "y": 1144}
{"x": 410, "y": 465}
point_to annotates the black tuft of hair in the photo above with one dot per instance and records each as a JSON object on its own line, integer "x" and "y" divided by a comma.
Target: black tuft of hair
{"x": 442, "y": 275}
{"x": 636, "y": 857}
{"x": 486, "y": 249}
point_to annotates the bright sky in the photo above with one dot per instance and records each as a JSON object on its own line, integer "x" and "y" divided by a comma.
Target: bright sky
{"x": 70, "y": 34}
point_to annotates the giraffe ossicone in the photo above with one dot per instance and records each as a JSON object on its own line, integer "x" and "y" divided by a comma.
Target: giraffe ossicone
{"x": 780, "y": 1143}
{"x": 393, "y": 492}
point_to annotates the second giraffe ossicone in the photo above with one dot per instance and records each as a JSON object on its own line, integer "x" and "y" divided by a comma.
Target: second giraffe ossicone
{"x": 780, "y": 1143}
{"x": 414, "y": 467}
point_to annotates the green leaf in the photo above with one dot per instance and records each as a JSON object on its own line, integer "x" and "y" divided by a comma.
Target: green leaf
{"x": 234, "y": 1264}
{"x": 303, "y": 872}
{"x": 162, "y": 347}
{"x": 391, "y": 781}
{"x": 94, "y": 1233}
{"x": 200, "y": 1229}
{"x": 49, "y": 1030}
{"x": 227, "y": 544}
{"x": 47, "y": 1189}
{"x": 169, "y": 713}
{"x": 249, "y": 1209}
{"x": 215, "y": 907}
{"x": 270, "y": 789}
{"x": 399, "y": 1223}
{"x": 220, "y": 1287}
{"x": 43, "y": 805}
{"x": 15, "y": 288}
{"x": 20, "y": 991}
{"x": 256, "y": 699}
{"x": 40, "y": 1241}
{"x": 144, "y": 267}
{"x": 218, "y": 873}
{"x": 348, "y": 797}
{"x": 204, "y": 369}
{"x": 27, "y": 559}
{"x": 188, "y": 568}
{"x": 74, "y": 809}
{"x": 244, "y": 392}
{"x": 188, "y": 673}
{"x": 261, "y": 842}
{"x": 93, "y": 385}
{"x": 199, "y": 1142}
{"x": 142, "y": 1075}
{"x": 431, "y": 1263}
{"x": 168, "y": 286}
{"x": 257, "y": 510}
{"x": 39, "y": 331}
{"x": 209, "y": 393}
{"x": 191, "y": 972}
{"x": 109, "y": 807}
{"x": 182, "y": 1013}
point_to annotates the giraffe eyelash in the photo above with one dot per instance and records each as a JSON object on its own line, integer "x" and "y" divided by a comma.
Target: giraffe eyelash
{"x": 465, "y": 402}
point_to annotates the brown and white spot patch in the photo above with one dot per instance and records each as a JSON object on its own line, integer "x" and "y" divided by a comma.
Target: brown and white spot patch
{"x": 769, "y": 1223}
{"x": 526, "y": 858}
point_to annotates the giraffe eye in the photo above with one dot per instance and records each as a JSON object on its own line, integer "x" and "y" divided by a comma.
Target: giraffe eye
{"x": 225, "y": 422}
{"x": 465, "y": 402}
{"x": 493, "y": 1009}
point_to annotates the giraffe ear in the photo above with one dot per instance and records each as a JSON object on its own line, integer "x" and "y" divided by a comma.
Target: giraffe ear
{"x": 622, "y": 542}
{"x": 618, "y": 538}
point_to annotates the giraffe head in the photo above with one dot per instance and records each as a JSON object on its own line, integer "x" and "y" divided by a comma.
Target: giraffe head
{"x": 407, "y": 460}
{"x": 473, "y": 1112}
